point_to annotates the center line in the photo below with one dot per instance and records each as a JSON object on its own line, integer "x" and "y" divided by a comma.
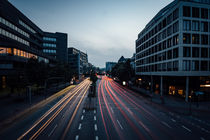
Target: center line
{"x": 80, "y": 125}
{"x": 165, "y": 124}
{"x": 95, "y": 118}
{"x": 94, "y": 111}
{"x": 96, "y": 137}
{"x": 186, "y": 128}
{"x": 119, "y": 124}
{"x": 95, "y": 126}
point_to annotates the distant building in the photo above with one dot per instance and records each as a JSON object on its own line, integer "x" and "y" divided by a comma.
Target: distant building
{"x": 78, "y": 60}
{"x": 122, "y": 59}
{"x": 55, "y": 45}
{"x": 20, "y": 39}
{"x": 173, "y": 48}
{"x": 133, "y": 62}
{"x": 109, "y": 66}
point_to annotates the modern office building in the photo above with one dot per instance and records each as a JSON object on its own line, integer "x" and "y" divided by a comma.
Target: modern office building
{"x": 174, "y": 49}
{"x": 78, "y": 61}
{"x": 55, "y": 45}
{"x": 110, "y": 65}
{"x": 20, "y": 39}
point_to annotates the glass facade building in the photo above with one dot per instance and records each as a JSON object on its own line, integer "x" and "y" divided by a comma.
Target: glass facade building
{"x": 176, "y": 41}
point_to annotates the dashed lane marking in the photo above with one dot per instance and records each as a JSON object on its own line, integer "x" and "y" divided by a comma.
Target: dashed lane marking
{"x": 77, "y": 137}
{"x": 94, "y": 111}
{"x": 119, "y": 124}
{"x": 112, "y": 110}
{"x": 94, "y": 118}
{"x": 52, "y": 130}
{"x": 95, "y": 126}
{"x": 202, "y": 138}
{"x": 173, "y": 120}
{"x": 186, "y": 128}
{"x": 83, "y": 111}
{"x": 165, "y": 124}
{"x": 82, "y": 117}
{"x": 80, "y": 126}
{"x": 96, "y": 137}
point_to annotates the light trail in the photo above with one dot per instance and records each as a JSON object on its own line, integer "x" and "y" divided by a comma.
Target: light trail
{"x": 53, "y": 117}
{"x": 111, "y": 115}
{"x": 99, "y": 101}
{"x": 134, "y": 103}
{"x": 110, "y": 92}
{"x": 76, "y": 89}
{"x": 75, "y": 111}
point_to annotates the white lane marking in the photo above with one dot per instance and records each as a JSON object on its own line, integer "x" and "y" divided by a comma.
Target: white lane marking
{"x": 80, "y": 125}
{"x": 96, "y": 137}
{"x": 186, "y": 128}
{"x": 77, "y": 137}
{"x": 52, "y": 130}
{"x": 119, "y": 124}
{"x": 112, "y": 110}
{"x": 82, "y": 117}
{"x": 165, "y": 124}
{"x": 83, "y": 111}
{"x": 63, "y": 116}
{"x": 94, "y": 111}
{"x": 173, "y": 120}
{"x": 144, "y": 126}
{"x": 95, "y": 126}
{"x": 202, "y": 138}
{"x": 94, "y": 118}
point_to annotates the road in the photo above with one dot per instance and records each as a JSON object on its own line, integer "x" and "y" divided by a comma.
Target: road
{"x": 124, "y": 114}
{"x": 116, "y": 113}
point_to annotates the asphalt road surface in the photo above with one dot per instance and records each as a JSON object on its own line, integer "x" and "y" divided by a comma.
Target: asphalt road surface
{"x": 115, "y": 113}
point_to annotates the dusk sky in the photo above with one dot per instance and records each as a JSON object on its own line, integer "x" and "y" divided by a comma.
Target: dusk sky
{"x": 105, "y": 29}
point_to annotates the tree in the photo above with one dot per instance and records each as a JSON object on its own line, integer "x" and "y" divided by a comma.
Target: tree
{"x": 123, "y": 71}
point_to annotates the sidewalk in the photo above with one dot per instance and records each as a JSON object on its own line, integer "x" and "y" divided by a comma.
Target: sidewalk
{"x": 177, "y": 105}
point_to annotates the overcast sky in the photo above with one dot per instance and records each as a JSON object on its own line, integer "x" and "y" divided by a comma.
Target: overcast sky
{"x": 105, "y": 29}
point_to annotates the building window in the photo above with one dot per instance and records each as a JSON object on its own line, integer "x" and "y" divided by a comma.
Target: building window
{"x": 204, "y": 65}
{"x": 204, "y": 13}
{"x": 169, "y": 42}
{"x": 186, "y": 25}
{"x": 186, "y": 65}
{"x": 204, "y": 26}
{"x": 195, "y": 39}
{"x": 169, "y": 66}
{"x": 195, "y": 12}
{"x": 195, "y": 52}
{"x": 169, "y": 31}
{"x": 175, "y": 65}
{"x": 204, "y": 52}
{"x": 186, "y": 11}
{"x": 169, "y": 19}
{"x": 187, "y": 52}
{"x": 195, "y": 65}
{"x": 195, "y": 26}
{"x": 175, "y": 14}
{"x": 186, "y": 38}
{"x": 175, "y": 52}
{"x": 175, "y": 40}
{"x": 176, "y": 27}
{"x": 169, "y": 54}
{"x": 204, "y": 39}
